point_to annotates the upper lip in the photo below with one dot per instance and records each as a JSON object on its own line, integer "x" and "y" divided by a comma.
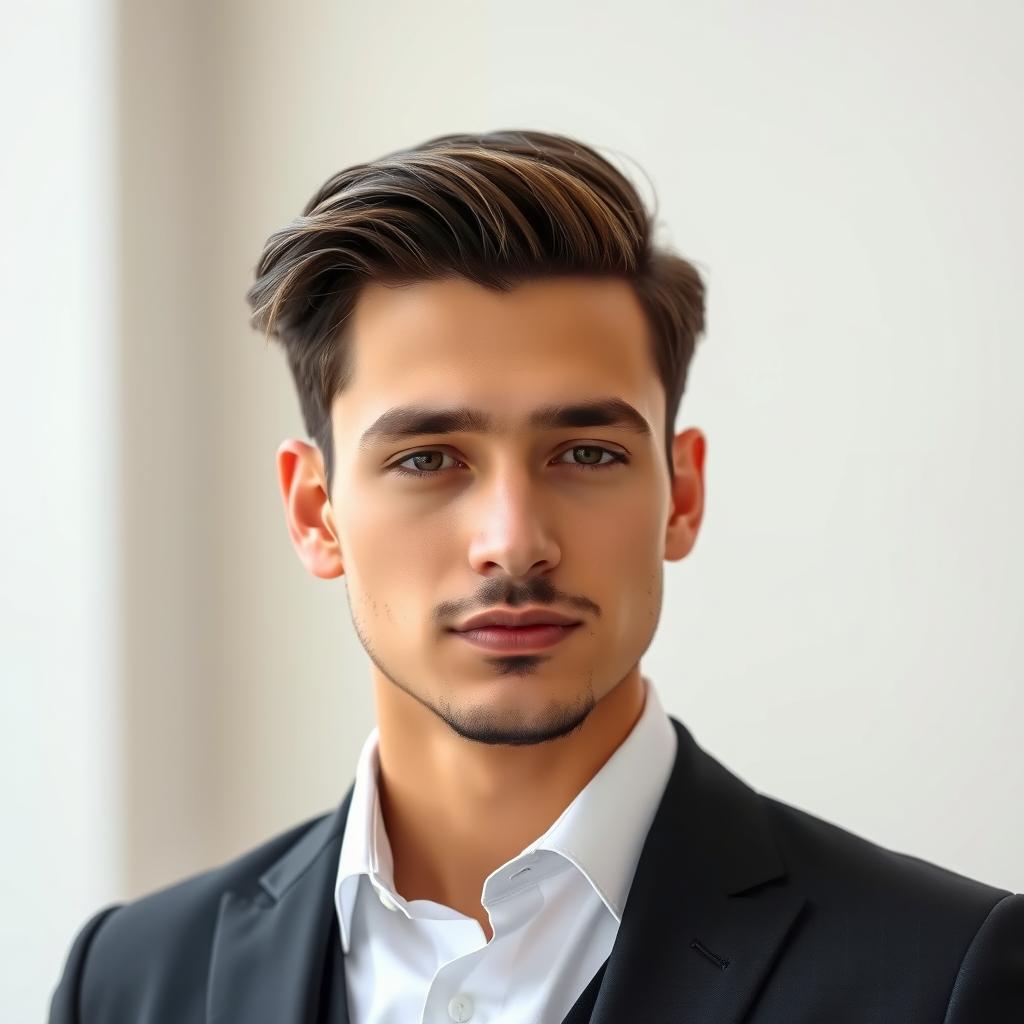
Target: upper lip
{"x": 528, "y": 617}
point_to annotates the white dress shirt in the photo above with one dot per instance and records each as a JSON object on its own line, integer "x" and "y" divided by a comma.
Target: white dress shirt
{"x": 554, "y": 909}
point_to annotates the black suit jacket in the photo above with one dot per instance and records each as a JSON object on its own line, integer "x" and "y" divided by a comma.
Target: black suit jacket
{"x": 742, "y": 909}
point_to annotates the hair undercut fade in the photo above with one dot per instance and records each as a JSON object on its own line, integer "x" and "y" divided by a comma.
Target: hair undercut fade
{"x": 499, "y": 209}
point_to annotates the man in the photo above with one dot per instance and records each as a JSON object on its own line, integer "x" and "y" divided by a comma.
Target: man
{"x": 489, "y": 354}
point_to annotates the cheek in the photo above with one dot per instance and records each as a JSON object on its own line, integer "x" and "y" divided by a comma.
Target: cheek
{"x": 393, "y": 549}
{"x": 619, "y": 556}
{"x": 630, "y": 535}
{"x": 636, "y": 556}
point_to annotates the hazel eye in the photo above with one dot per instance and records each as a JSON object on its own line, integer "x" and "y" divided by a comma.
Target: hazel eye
{"x": 429, "y": 470}
{"x": 614, "y": 457}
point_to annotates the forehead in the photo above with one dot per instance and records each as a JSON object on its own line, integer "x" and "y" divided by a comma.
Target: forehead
{"x": 452, "y": 342}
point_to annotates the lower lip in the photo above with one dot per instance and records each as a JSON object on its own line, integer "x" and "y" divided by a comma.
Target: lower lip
{"x": 522, "y": 638}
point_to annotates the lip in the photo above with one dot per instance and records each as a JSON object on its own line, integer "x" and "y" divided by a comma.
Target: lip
{"x": 515, "y": 619}
{"x": 516, "y": 638}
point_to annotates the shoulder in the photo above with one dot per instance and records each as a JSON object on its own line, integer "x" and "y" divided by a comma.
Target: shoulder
{"x": 183, "y": 908}
{"x": 160, "y": 942}
{"x": 848, "y": 876}
{"x": 882, "y": 899}
{"x": 835, "y": 863}
{"x": 927, "y": 936}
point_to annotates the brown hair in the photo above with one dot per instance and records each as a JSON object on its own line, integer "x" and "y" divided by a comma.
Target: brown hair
{"x": 497, "y": 208}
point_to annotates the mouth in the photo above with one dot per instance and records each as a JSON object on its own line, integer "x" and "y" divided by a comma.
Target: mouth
{"x": 516, "y": 638}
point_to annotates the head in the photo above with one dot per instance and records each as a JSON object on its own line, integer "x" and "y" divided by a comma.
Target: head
{"x": 489, "y": 354}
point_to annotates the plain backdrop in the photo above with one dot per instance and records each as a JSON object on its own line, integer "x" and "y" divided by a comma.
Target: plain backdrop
{"x": 846, "y": 636}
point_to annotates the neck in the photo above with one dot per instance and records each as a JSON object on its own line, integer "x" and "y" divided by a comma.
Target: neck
{"x": 456, "y": 809}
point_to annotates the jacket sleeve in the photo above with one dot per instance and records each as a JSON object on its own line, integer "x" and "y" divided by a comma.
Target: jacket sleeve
{"x": 989, "y": 986}
{"x": 65, "y": 1001}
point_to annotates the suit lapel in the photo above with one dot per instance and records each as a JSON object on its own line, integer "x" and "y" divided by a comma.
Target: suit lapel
{"x": 270, "y": 944}
{"x": 708, "y": 910}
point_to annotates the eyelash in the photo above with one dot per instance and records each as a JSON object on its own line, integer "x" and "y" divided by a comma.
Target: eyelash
{"x": 617, "y": 458}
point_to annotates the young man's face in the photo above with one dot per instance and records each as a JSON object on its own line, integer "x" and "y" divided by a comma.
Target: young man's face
{"x": 516, "y": 516}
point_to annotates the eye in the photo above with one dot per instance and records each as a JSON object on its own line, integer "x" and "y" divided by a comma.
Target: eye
{"x": 615, "y": 457}
{"x": 427, "y": 460}
{"x": 396, "y": 467}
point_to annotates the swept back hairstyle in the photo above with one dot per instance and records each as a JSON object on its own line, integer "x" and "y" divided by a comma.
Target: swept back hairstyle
{"x": 499, "y": 209}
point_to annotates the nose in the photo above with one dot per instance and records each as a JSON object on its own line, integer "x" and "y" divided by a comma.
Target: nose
{"x": 510, "y": 529}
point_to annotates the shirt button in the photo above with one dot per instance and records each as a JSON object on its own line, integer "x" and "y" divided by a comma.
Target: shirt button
{"x": 386, "y": 900}
{"x": 460, "y": 1008}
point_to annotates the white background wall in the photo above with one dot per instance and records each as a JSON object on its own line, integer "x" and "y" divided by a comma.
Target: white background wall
{"x": 60, "y": 712}
{"x": 845, "y": 635}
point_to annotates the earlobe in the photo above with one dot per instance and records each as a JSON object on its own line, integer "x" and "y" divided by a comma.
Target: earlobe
{"x": 307, "y": 508}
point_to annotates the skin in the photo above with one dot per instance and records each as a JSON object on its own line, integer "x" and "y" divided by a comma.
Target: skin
{"x": 481, "y": 752}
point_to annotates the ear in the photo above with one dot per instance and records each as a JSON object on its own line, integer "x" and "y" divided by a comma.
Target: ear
{"x": 307, "y": 508}
{"x": 687, "y": 497}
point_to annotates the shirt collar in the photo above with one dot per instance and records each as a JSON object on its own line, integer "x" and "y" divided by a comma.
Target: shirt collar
{"x": 625, "y": 791}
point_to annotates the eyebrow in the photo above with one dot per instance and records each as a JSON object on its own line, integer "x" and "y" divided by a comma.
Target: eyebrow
{"x": 406, "y": 421}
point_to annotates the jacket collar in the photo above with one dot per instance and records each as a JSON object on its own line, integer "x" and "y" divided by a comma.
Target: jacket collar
{"x": 700, "y": 930}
